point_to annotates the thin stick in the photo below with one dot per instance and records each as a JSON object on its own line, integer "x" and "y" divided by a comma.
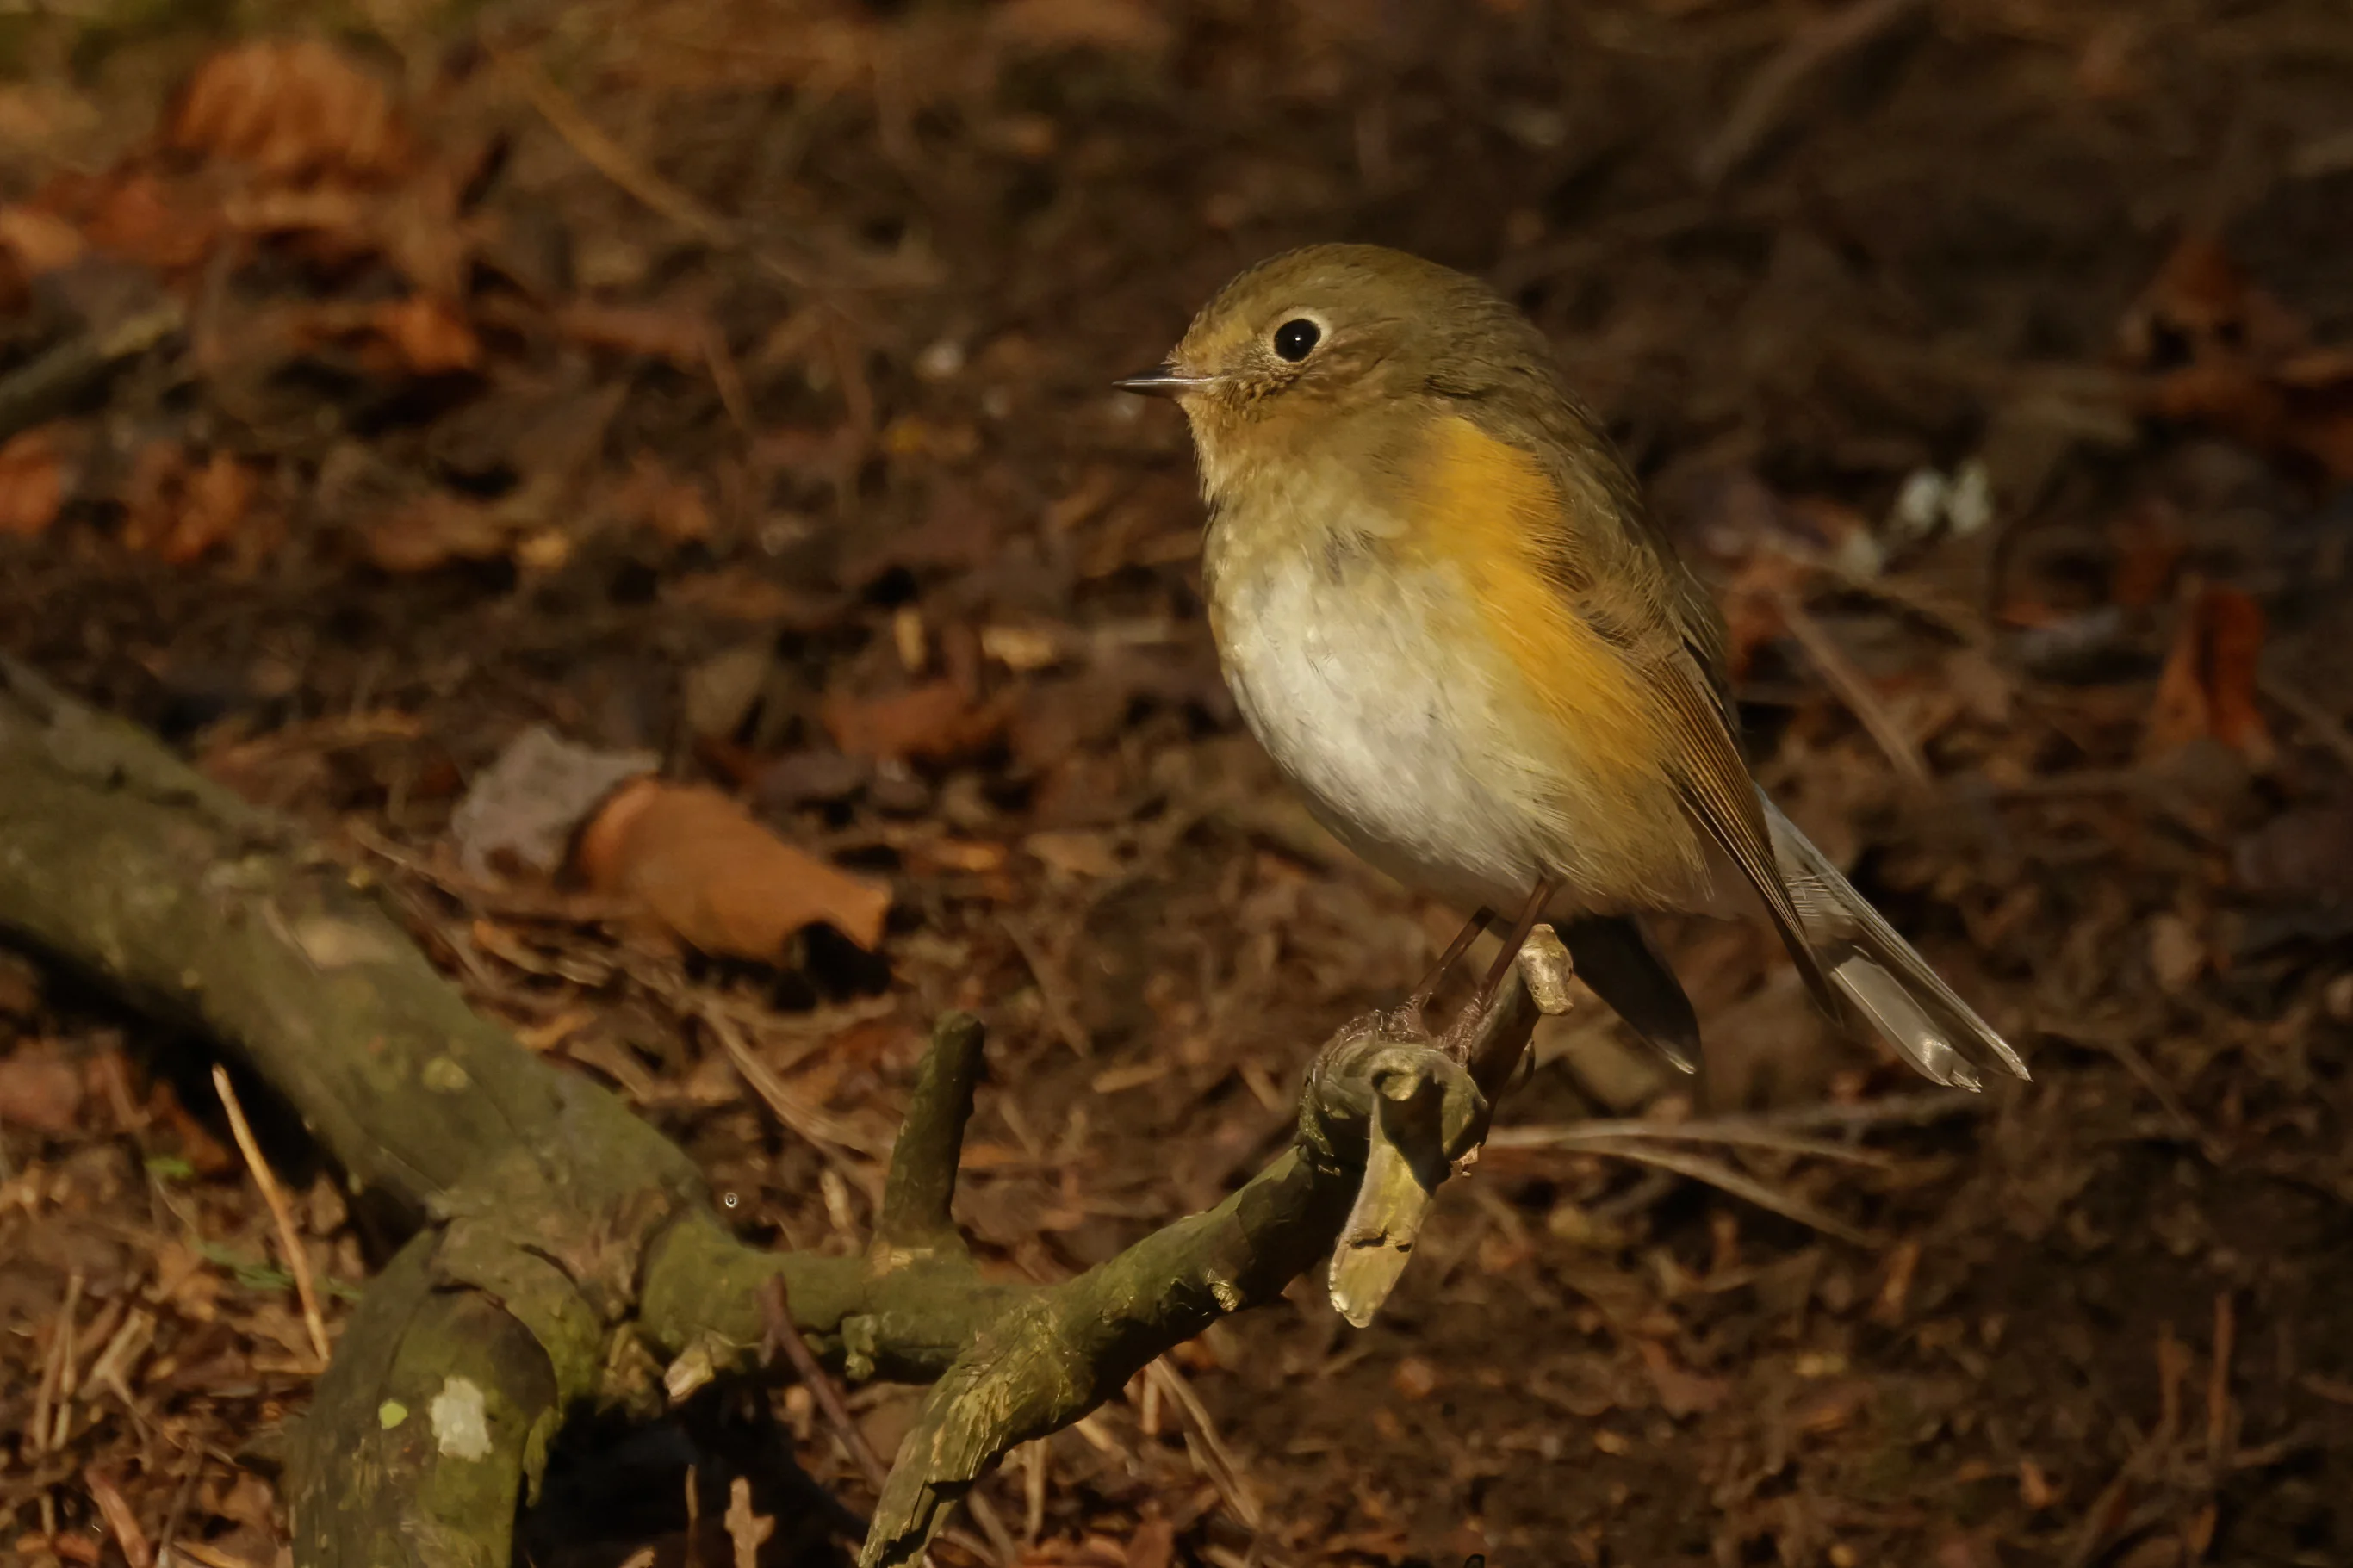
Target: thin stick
{"x": 783, "y": 1333}
{"x": 1849, "y": 685}
{"x": 1223, "y": 1472}
{"x": 1893, "y": 1110}
{"x": 2218, "y": 1384}
{"x": 1723, "y": 1178}
{"x": 1731, "y": 1133}
{"x": 2325, "y": 728}
{"x": 819, "y": 1126}
{"x": 298, "y": 1261}
{"x": 617, "y": 164}
{"x": 47, "y": 385}
{"x": 786, "y": 1335}
{"x": 1033, "y": 1488}
{"x": 1052, "y": 991}
{"x": 1765, "y": 101}
{"x": 167, "y": 1553}
{"x": 61, "y": 1353}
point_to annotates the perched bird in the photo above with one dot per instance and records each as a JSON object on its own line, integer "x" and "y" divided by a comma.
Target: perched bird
{"x": 1444, "y": 612}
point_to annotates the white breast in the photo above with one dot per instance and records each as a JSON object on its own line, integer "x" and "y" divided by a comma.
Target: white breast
{"x": 1338, "y": 671}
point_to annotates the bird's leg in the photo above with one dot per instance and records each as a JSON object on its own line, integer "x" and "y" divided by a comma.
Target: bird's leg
{"x": 1422, "y": 992}
{"x": 1516, "y": 934}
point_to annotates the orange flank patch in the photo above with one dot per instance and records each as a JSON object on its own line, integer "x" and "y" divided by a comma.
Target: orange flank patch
{"x": 1485, "y": 505}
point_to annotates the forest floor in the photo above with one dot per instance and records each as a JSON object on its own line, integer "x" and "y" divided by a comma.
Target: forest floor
{"x": 728, "y": 383}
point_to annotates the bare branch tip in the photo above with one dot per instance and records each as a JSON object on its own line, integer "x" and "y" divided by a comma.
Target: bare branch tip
{"x": 919, "y": 1194}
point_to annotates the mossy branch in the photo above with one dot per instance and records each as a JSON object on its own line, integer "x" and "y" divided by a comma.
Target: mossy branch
{"x": 569, "y": 1253}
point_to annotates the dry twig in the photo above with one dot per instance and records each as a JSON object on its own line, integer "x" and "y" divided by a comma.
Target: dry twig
{"x": 1765, "y": 102}
{"x": 282, "y": 1214}
{"x": 1852, "y": 687}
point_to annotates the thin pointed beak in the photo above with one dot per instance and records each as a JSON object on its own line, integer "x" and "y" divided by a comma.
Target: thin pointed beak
{"x": 1163, "y": 380}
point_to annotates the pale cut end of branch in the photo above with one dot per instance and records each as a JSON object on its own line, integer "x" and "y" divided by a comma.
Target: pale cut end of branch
{"x": 1546, "y": 966}
{"x": 1404, "y": 1167}
{"x": 919, "y": 1195}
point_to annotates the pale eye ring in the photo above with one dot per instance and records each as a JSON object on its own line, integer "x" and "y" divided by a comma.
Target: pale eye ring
{"x": 1297, "y": 338}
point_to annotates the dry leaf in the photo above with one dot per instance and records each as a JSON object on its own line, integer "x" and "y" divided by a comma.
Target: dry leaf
{"x": 2224, "y": 353}
{"x": 434, "y": 529}
{"x": 2148, "y": 545}
{"x": 1752, "y": 604}
{"x": 177, "y": 512}
{"x": 1415, "y": 1378}
{"x": 38, "y": 241}
{"x": 528, "y": 804}
{"x": 2208, "y": 686}
{"x": 122, "y": 1519}
{"x": 680, "y": 337}
{"x": 1154, "y": 1545}
{"x": 934, "y": 721}
{"x": 136, "y": 218}
{"x": 2302, "y": 853}
{"x": 1076, "y": 851}
{"x": 291, "y": 109}
{"x": 1681, "y": 1393}
{"x": 32, "y": 482}
{"x": 41, "y": 1090}
{"x": 703, "y": 867}
{"x": 670, "y": 506}
{"x": 429, "y": 335}
{"x": 2176, "y": 954}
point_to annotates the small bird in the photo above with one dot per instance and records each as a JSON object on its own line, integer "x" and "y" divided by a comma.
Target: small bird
{"x": 1445, "y": 613}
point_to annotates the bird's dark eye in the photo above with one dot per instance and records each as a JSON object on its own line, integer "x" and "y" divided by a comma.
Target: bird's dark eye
{"x": 1297, "y": 338}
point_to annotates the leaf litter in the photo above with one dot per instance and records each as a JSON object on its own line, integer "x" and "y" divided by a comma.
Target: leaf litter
{"x": 733, "y": 411}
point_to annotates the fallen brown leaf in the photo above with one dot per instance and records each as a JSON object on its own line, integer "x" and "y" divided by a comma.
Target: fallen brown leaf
{"x": 40, "y": 241}
{"x": 2148, "y": 545}
{"x": 1752, "y": 604}
{"x": 1415, "y": 1378}
{"x": 122, "y": 1519}
{"x": 933, "y": 722}
{"x": 659, "y": 499}
{"x": 427, "y": 335}
{"x": 40, "y": 1089}
{"x": 2222, "y": 353}
{"x": 2176, "y": 953}
{"x": 715, "y": 876}
{"x": 2307, "y": 853}
{"x": 527, "y": 805}
{"x": 680, "y": 337}
{"x": 2208, "y": 685}
{"x": 2202, "y": 304}
{"x": 289, "y": 108}
{"x": 177, "y": 511}
{"x": 1681, "y": 1393}
{"x": 1154, "y": 1544}
{"x": 439, "y": 527}
{"x": 32, "y": 482}
{"x": 136, "y": 218}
